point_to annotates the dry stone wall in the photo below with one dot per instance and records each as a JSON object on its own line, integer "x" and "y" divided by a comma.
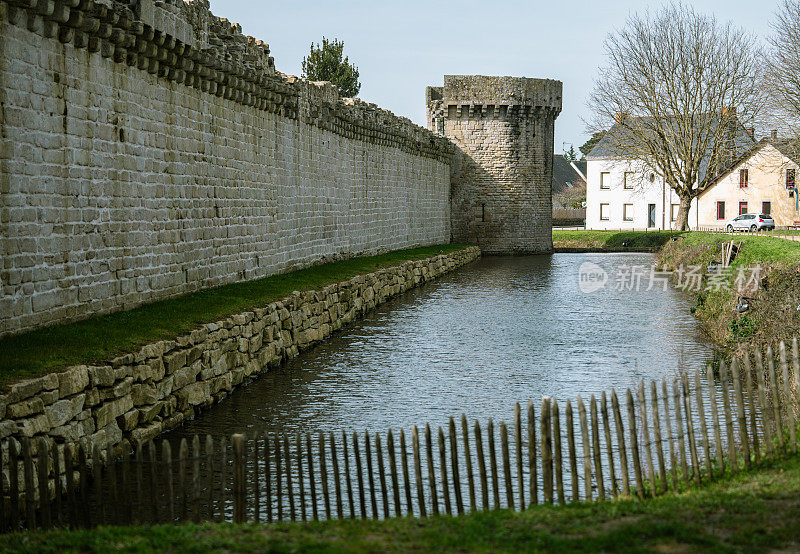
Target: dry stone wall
{"x": 135, "y": 397}
{"x": 149, "y": 149}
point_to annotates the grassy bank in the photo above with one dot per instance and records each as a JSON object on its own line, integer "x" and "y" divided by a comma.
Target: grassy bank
{"x": 754, "y": 512}
{"x": 611, "y": 240}
{"x": 101, "y": 338}
{"x": 774, "y": 313}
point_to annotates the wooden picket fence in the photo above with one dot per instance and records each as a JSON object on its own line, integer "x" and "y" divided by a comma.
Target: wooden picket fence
{"x": 688, "y": 430}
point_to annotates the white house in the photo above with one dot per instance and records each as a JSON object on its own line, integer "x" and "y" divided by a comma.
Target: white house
{"x": 622, "y": 193}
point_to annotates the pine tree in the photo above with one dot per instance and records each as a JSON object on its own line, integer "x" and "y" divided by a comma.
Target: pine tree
{"x": 325, "y": 63}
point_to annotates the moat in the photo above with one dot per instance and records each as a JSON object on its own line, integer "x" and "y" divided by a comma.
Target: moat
{"x": 499, "y": 331}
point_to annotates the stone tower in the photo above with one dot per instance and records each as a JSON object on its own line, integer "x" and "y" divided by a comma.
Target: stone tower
{"x": 500, "y": 195}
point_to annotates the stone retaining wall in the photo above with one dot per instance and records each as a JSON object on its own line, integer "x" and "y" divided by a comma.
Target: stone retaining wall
{"x": 135, "y": 397}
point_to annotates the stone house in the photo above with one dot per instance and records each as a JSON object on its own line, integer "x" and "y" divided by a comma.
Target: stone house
{"x": 763, "y": 180}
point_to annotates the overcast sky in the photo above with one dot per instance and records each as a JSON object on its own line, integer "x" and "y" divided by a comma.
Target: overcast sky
{"x": 402, "y": 47}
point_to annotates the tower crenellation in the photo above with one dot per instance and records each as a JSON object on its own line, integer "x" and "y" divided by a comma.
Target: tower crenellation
{"x": 504, "y": 128}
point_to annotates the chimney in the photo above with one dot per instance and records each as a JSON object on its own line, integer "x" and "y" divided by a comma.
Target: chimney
{"x": 774, "y": 134}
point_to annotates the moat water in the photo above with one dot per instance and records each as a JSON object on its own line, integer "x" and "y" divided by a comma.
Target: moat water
{"x": 499, "y": 331}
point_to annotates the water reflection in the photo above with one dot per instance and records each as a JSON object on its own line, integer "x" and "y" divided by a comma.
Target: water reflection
{"x": 501, "y": 330}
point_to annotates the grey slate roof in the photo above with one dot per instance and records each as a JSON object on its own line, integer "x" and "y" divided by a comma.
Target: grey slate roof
{"x": 564, "y": 173}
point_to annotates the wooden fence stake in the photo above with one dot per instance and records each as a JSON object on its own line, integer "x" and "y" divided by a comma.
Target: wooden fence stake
{"x": 196, "y": 480}
{"x": 662, "y": 466}
{"x": 598, "y": 464}
{"x": 557, "y": 453}
{"x": 637, "y": 466}
{"x": 468, "y": 460}
{"x": 651, "y": 474}
{"x": 359, "y": 477}
{"x": 423, "y": 512}
{"x": 445, "y": 482}
{"x": 382, "y": 475}
{"x": 533, "y": 481}
{"x": 777, "y": 427}
{"x": 166, "y": 463}
{"x": 151, "y": 459}
{"x": 726, "y": 407}
{"x": 493, "y": 464}
{"x": 312, "y": 482}
{"x": 518, "y": 450}
{"x": 58, "y": 512}
{"x": 279, "y": 475}
{"x": 623, "y": 451}
{"x": 586, "y": 444}
{"x": 668, "y": 420}
{"x": 393, "y": 472}
{"x": 370, "y": 474}
{"x": 454, "y": 465}
{"x": 83, "y": 477}
{"x": 712, "y": 399}
{"x": 572, "y": 453}
{"x": 27, "y": 465}
{"x": 43, "y": 467}
{"x": 687, "y": 405}
{"x": 287, "y": 456}
{"x": 407, "y": 475}
{"x": 237, "y": 441}
{"x": 267, "y": 472}
{"x": 788, "y": 397}
{"x": 676, "y": 396}
{"x": 301, "y": 480}
{"x": 183, "y": 449}
{"x": 751, "y": 405}
{"x": 337, "y": 483}
{"x": 506, "y": 465}
{"x": 323, "y": 469}
{"x": 347, "y": 480}
{"x": 69, "y": 468}
{"x": 701, "y": 412}
{"x": 744, "y": 440}
{"x": 763, "y": 400}
{"x": 547, "y": 450}
{"x": 481, "y": 467}
{"x": 431, "y": 472}
{"x": 609, "y": 445}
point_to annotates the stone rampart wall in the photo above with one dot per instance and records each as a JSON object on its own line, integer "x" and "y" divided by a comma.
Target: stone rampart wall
{"x": 149, "y": 149}
{"x": 135, "y": 397}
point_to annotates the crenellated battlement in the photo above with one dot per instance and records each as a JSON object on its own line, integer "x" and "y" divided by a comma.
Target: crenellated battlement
{"x": 183, "y": 42}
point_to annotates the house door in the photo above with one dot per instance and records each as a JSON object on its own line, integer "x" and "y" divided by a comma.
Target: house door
{"x": 651, "y": 215}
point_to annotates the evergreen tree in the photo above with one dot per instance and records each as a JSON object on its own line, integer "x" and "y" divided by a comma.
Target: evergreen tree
{"x": 326, "y": 63}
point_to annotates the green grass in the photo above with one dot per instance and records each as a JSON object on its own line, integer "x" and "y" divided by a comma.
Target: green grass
{"x": 756, "y": 511}
{"x": 100, "y": 339}
{"x": 611, "y": 239}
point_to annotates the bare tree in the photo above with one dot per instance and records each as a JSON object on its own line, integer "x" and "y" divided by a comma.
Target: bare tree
{"x": 783, "y": 73}
{"x": 680, "y": 90}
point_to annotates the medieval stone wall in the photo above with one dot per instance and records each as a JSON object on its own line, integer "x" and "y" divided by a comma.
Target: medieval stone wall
{"x": 149, "y": 149}
{"x": 504, "y": 128}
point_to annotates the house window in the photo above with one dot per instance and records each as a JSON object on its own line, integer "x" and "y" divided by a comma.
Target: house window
{"x": 605, "y": 180}
{"x": 744, "y": 178}
{"x": 766, "y": 208}
{"x": 790, "y": 174}
{"x": 720, "y": 210}
{"x": 627, "y": 212}
{"x": 627, "y": 180}
{"x": 673, "y": 212}
{"x": 742, "y": 208}
{"x": 604, "y": 212}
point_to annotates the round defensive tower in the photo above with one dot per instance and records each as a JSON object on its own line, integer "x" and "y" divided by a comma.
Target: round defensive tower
{"x": 501, "y": 190}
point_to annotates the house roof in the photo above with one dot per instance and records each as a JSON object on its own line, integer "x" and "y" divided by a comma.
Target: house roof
{"x": 564, "y": 173}
{"x": 612, "y": 143}
{"x": 790, "y": 148}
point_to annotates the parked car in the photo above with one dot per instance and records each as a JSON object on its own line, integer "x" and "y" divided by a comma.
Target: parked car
{"x": 750, "y": 222}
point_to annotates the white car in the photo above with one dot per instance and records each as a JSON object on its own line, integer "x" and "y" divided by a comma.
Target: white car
{"x": 750, "y": 222}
